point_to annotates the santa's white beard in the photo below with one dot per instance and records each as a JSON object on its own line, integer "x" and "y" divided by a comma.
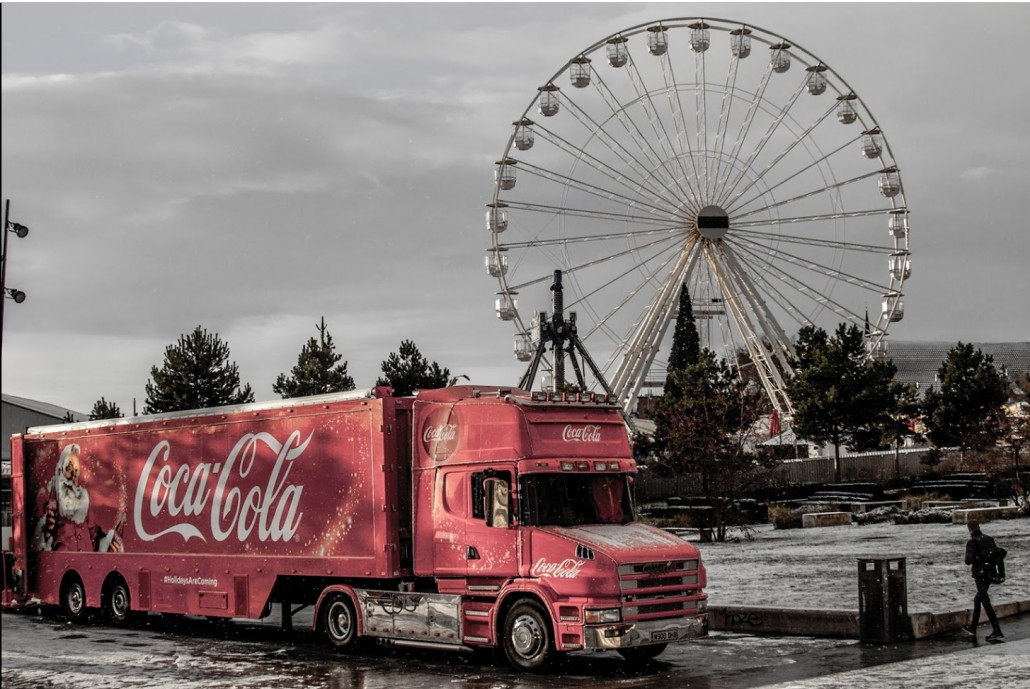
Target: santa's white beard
{"x": 73, "y": 501}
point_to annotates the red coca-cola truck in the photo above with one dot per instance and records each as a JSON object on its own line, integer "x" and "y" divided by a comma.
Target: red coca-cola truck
{"x": 463, "y": 517}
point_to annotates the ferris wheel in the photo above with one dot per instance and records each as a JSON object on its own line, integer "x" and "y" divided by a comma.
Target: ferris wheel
{"x": 703, "y": 153}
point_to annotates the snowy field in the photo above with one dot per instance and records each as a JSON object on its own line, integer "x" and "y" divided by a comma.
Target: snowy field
{"x": 818, "y": 568}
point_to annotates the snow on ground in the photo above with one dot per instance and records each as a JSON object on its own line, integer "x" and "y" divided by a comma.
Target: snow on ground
{"x": 1000, "y": 666}
{"x": 817, "y": 568}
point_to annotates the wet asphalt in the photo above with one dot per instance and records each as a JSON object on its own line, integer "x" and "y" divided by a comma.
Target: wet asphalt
{"x": 41, "y": 650}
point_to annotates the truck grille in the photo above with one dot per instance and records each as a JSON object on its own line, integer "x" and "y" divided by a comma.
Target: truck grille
{"x": 656, "y": 590}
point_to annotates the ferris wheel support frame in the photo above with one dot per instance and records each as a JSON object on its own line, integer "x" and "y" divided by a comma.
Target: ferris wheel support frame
{"x": 767, "y": 344}
{"x": 643, "y": 347}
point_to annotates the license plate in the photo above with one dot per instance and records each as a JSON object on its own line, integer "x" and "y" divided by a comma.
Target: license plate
{"x": 664, "y": 636}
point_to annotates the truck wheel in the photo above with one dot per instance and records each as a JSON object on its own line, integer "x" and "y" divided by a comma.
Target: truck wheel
{"x": 339, "y": 621}
{"x": 73, "y": 600}
{"x": 117, "y": 605}
{"x": 642, "y": 654}
{"x": 527, "y": 637}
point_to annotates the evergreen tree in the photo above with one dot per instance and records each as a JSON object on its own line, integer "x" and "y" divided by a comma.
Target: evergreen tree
{"x": 840, "y": 396}
{"x": 102, "y": 409}
{"x": 686, "y": 344}
{"x": 317, "y": 371}
{"x": 407, "y": 371}
{"x": 968, "y": 410}
{"x": 708, "y": 430}
{"x": 196, "y": 374}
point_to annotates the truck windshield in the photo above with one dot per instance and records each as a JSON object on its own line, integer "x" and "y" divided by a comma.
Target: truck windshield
{"x": 575, "y": 499}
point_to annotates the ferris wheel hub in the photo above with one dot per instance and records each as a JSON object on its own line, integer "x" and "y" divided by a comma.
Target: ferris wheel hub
{"x": 713, "y": 222}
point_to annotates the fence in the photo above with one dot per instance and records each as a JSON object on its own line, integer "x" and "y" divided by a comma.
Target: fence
{"x": 867, "y": 467}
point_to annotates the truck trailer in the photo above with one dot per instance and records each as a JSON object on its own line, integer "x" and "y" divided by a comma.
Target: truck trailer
{"x": 463, "y": 517}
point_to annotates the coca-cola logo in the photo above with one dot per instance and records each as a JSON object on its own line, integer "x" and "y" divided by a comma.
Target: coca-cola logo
{"x": 183, "y": 493}
{"x": 588, "y": 433}
{"x": 566, "y": 569}
{"x": 446, "y": 433}
{"x": 440, "y": 434}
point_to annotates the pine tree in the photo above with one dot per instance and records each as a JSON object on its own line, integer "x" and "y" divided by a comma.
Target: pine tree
{"x": 840, "y": 396}
{"x": 407, "y": 371}
{"x": 317, "y": 371}
{"x": 686, "y": 344}
{"x": 196, "y": 374}
{"x": 968, "y": 410}
{"x": 102, "y": 409}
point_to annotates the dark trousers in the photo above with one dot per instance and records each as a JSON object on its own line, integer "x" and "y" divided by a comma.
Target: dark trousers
{"x": 983, "y": 598}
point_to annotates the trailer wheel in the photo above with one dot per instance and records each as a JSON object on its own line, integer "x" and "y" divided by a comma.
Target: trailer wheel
{"x": 73, "y": 600}
{"x": 339, "y": 621}
{"x": 527, "y": 637}
{"x": 642, "y": 654}
{"x": 117, "y": 603}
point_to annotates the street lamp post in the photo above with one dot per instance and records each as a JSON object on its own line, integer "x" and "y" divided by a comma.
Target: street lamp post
{"x": 9, "y": 293}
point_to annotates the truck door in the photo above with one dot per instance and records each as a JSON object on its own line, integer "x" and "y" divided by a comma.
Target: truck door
{"x": 450, "y": 520}
{"x": 491, "y": 535}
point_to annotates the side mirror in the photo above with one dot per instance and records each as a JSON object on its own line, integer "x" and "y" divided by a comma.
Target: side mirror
{"x": 497, "y": 498}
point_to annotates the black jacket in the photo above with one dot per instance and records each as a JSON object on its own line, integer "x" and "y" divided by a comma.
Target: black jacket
{"x": 977, "y": 548}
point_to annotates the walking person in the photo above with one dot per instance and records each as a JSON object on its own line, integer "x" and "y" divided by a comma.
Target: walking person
{"x": 978, "y": 549}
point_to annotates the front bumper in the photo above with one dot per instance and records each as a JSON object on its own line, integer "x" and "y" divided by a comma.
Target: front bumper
{"x": 604, "y": 637}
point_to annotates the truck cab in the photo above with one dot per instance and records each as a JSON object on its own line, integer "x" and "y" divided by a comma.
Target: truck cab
{"x": 524, "y": 508}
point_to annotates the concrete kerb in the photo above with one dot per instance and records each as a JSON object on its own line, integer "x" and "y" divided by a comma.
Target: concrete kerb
{"x": 926, "y": 624}
{"x": 838, "y": 623}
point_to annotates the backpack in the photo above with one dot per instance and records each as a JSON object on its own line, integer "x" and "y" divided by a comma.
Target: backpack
{"x": 992, "y": 560}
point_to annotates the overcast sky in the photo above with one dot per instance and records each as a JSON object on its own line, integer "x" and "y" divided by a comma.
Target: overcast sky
{"x": 254, "y": 167}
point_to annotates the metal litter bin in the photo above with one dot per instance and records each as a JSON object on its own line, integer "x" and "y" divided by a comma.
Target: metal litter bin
{"x": 883, "y": 600}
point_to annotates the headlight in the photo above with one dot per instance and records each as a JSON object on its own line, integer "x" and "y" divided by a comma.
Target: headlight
{"x": 603, "y": 616}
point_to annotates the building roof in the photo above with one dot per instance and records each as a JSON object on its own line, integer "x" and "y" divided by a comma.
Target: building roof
{"x": 918, "y": 362}
{"x": 44, "y": 408}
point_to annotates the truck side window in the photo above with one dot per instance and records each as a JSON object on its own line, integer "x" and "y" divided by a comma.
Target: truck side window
{"x": 491, "y": 497}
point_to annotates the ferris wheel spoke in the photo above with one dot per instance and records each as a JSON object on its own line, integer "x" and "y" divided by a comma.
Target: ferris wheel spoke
{"x": 799, "y": 138}
{"x": 815, "y": 163}
{"x": 661, "y": 224}
{"x": 648, "y": 277}
{"x": 745, "y": 126}
{"x": 701, "y": 116}
{"x": 778, "y": 297}
{"x": 822, "y": 217}
{"x": 672, "y": 233}
{"x": 812, "y": 294}
{"x": 729, "y": 190}
{"x": 811, "y": 241}
{"x": 632, "y": 129}
{"x": 815, "y": 192}
{"x": 644, "y": 96}
{"x": 644, "y": 180}
{"x": 590, "y": 264}
{"x": 680, "y": 123}
{"x": 609, "y": 195}
{"x": 814, "y": 266}
{"x": 724, "y": 115}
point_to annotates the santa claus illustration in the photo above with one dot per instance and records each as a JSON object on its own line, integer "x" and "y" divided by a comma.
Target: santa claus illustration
{"x": 65, "y": 519}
